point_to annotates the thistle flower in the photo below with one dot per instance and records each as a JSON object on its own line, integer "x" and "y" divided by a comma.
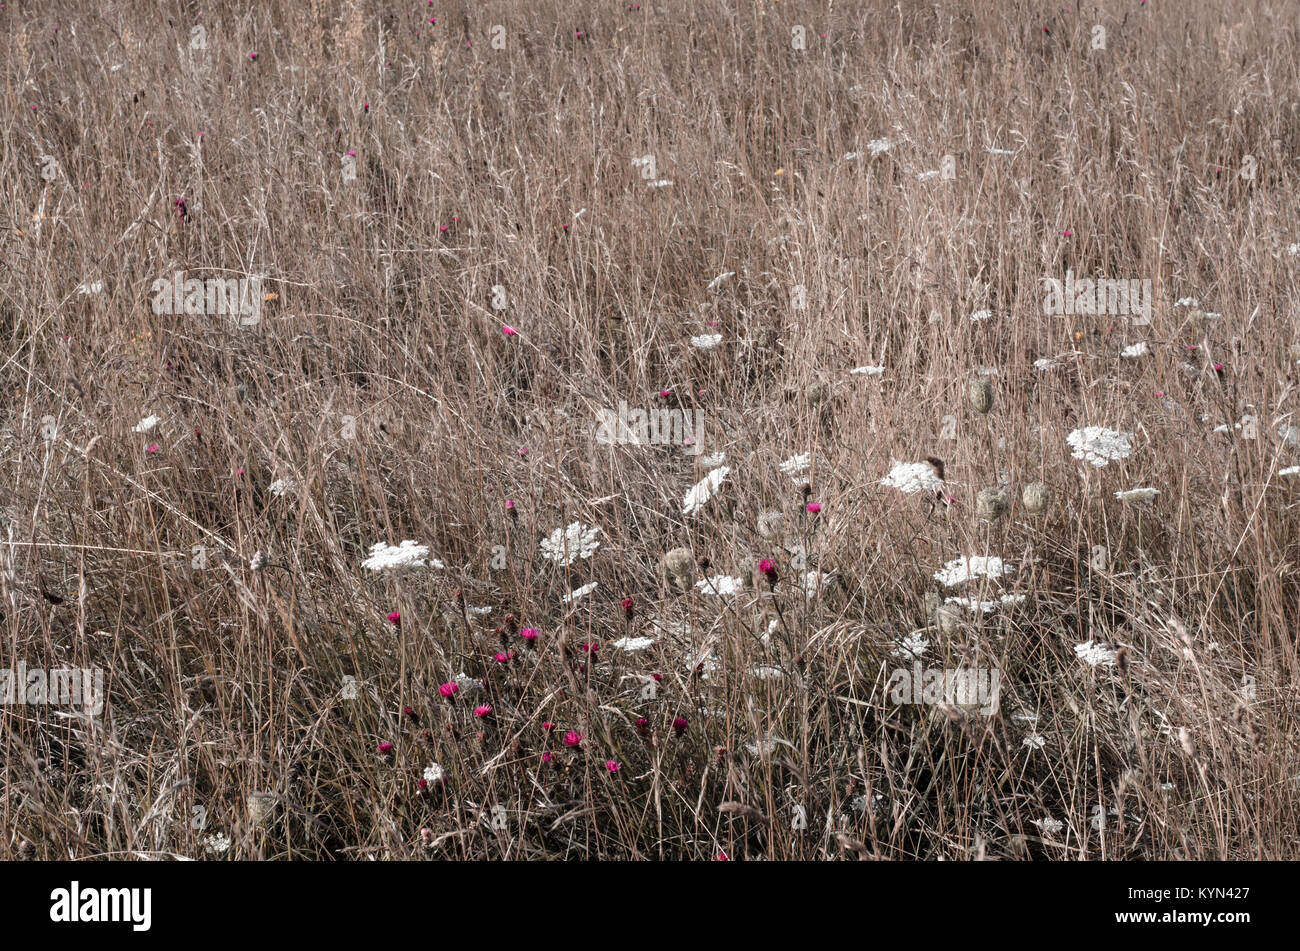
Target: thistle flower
{"x": 628, "y": 608}
{"x": 980, "y": 395}
{"x": 990, "y": 504}
{"x": 769, "y": 570}
{"x": 572, "y": 738}
{"x": 395, "y": 617}
{"x": 612, "y": 765}
{"x": 813, "y": 508}
{"x": 679, "y": 725}
{"x": 1034, "y": 497}
{"x": 449, "y": 689}
{"x": 384, "y": 748}
{"x": 482, "y": 710}
{"x": 529, "y": 634}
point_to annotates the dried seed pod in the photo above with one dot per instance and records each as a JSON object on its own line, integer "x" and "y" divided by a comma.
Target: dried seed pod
{"x": 1035, "y": 498}
{"x": 980, "y": 395}
{"x": 990, "y": 504}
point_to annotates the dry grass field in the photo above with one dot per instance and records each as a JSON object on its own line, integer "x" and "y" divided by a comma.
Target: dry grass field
{"x": 708, "y": 282}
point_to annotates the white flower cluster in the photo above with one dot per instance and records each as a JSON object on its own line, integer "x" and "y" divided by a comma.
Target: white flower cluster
{"x": 960, "y": 570}
{"x": 409, "y": 554}
{"x": 704, "y": 490}
{"x": 1137, "y": 495}
{"x": 1094, "y": 654}
{"x": 721, "y": 585}
{"x": 567, "y": 545}
{"x": 1100, "y": 446}
{"x": 909, "y": 477}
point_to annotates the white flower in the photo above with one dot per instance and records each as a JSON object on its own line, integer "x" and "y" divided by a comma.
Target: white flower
{"x": 281, "y": 487}
{"x": 980, "y": 315}
{"x": 1293, "y": 249}
{"x": 850, "y": 156}
{"x": 1186, "y": 302}
{"x": 814, "y": 581}
{"x": 970, "y": 604}
{"x": 660, "y": 183}
{"x": 718, "y": 280}
{"x": 1137, "y": 495}
{"x": 409, "y": 554}
{"x": 714, "y": 460}
{"x": 796, "y": 464}
{"x": 96, "y": 287}
{"x": 634, "y": 643}
{"x": 146, "y": 424}
{"x": 1289, "y": 470}
{"x": 467, "y": 683}
{"x": 722, "y": 585}
{"x": 1034, "y": 742}
{"x": 1135, "y": 351}
{"x": 1046, "y": 363}
{"x": 961, "y": 570}
{"x": 578, "y": 593}
{"x": 923, "y": 176}
{"x": 433, "y": 774}
{"x": 706, "y": 341}
{"x": 1049, "y": 826}
{"x": 911, "y": 647}
{"x": 703, "y": 490}
{"x": 909, "y": 477}
{"x": 566, "y": 545}
{"x": 1094, "y": 654}
{"x": 876, "y": 146}
{"x": 867, "y": 371}
{"x": 1100, "y": 446}
{"x": 217, "y": 843}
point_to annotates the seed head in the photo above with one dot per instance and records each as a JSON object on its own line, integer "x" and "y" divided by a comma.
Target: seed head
{"x": 1035, "y": 497}
{"x": 981, "y": 395}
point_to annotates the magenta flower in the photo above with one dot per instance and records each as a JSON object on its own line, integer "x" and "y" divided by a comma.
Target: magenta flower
{"x": 612, "y": 765}
{"x": 449, "y": 689}
{"x": 252, "y": 56}
{"x": 813, "y": 507}
{"x": 395, "y": 617}
{"x": 385, "y": 747}
{"x": 482, "y": 710}
{"x": 509, "y": 331}
{"x": 591, "y": 648}
{"x": 679, "y": 725}
{"x": 627, "y": 608}
{"x": 529, "y": 633}
{"x": 548, "y": 726}
{"x": 153, "y": 447}
{"x": 769, "y": 570}
{"x": 422, "y": 784}
{"x": 572, "y": 738}
{"x": 502, "y": 657}
{"x": 547, "y": 757}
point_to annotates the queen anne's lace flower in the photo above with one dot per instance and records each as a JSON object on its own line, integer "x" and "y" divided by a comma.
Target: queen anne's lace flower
{"x": 409, "y": 554}
{"x": 706, "y": 341}
{"x": 1137, "y": 495}
{"x": 704, "y": 490}
{"x": 578, "y": 593}
{"x": 1100, "y": 446}
{"x": 911, "y": 647}
{"x": 1094, "y": 654}
{"x": 567, "y": 545}
{"x": 909, "y": 477}
{"x": 146, "y": 424}
{"x": 634, "y": 643}
{"x": 960, "y": 570}
{"x": 723, "y": 585}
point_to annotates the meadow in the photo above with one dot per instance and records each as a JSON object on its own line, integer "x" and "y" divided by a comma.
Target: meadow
{"x": 729, "y": 430}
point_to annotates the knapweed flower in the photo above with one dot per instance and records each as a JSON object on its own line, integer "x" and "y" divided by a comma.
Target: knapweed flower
{"x": 153, "y": 447}
{"x": 572, "y": 738}
{"x": 679, "y": 725}
{"x": 509, "y": 331}
{"x": 591, "y": 647}
{"x": 612, "y": 765}
{"x": 482, "y": 710}
{"x": 503, "y": 657}
{"x": 548, "y": 726}
{"x": 528, "y": 633}
{"x": 813, "y": 507}
{"x": 547, "y": 757}
{"x": 628, "y": 608}
{"x": 449, "y": 689}
{"x": 395, "y": 617}
{"x": 642, "y": 725}
{"x": 769, "y": 570}
{"x": 385, "y": 748}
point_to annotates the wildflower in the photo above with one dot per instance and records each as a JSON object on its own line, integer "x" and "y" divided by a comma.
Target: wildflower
{"x": 449, "y": 689}
{"x": 509, "y": 331}
{"x": 1094, "y": 654}
{"x": 433, "y": 774}
{"x": 960, "y": 570}
{"x": 911, "y": 647}
{"x": 1034, "y": 742}
{"x": 769, "y": 570}
{"x": 407, "y": 555}
{"x": 633, "y": 643}
{"x": 909, "y": 477}
{"x": 579, "y": 593}
{"x": 867, "y": 371}
{"x": 1100, "y": 446}
{"x": 385, "y": 748}
{"x": 548, "y": 726}
{"x": 503, "y": 657}
{"x": 395, "y": 617}
{"x": 706, "y": 341}
{"x": 217, "y": 843}
{"x": 627, "y": 606}
{"x": 721, "y": 585}
{"x": 258, "y": 561}
{"x": 1137, "y": 495}
{"x": 591, "y": 647}
{"x": 1049, "y": 826}
{"x": 482, "y": 710}
{"x": 572, "y": 738}
{"x": 547, "y": 757}
{"x": 679, "y": 725}
{"x": 796, "y": 464}
{"x": 704, "y": 490}
{"x": 990, "y": 504}
{"x": 153, "y": 447}
{"x": 1034, "y": 497}
{"x": 612, "y": 765}
{"x": 566, "y": 545}
{"x": 642, "y": 726}
{"x": 1134, "y": 351}
{"x": 813, "y": 507}
{"x": 409, "y": 711}
{"x": 146, "y": 424}
{"x": 529, "y": 634}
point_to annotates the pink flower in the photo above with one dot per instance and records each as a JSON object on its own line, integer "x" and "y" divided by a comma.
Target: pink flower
{"x": 482, "y": 710}
{"x": 422, "y": 783}
{"x": 385, "y": 747}
{"x": 813, "y": 507}
{"x": 572, "y": 738}
{"x": 722, "y": 856}
{"x": 509, "y": 331}
{"x": 449, "y": 689}
{"x": 769, "y": 570}
{"x": 510, "y": 504}
{"x": 252, "y": 56}
{"x": 502, "y": 657}
{"x": 627, "y": 607}
{"x": 547, "y": 757}
{"x": 1218, "y": 368}
{"x": 529, "y": 633}
{"x": 153, "y": 447}
{"x": 395, "y": 617}
{"x": 590, "y": 648}
{"x": 642, "y": 725}
{"x": 1067, "y": 232}
{"x": 523, "y": 451}
{"x": 679, "y": 725}
{"x": 548, "y": 726}
{"x": 612, "y": 765}
{"x": 664, "y": 394}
